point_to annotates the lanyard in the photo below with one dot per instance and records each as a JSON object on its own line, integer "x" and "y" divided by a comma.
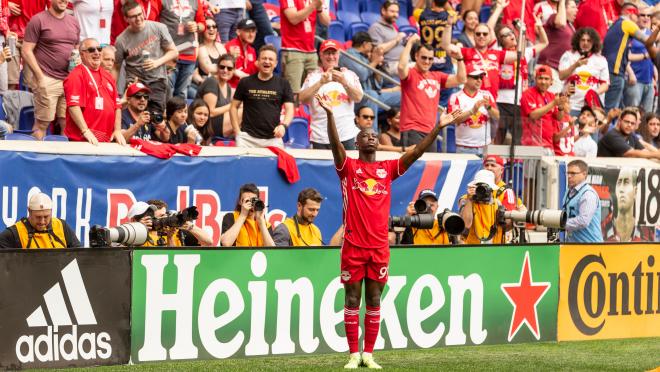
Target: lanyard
{"x": 146, "y": 16}
{"x": 98, "y": 94}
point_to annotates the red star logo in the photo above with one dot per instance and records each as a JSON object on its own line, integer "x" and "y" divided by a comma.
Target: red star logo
{"x": 524, "y": 296}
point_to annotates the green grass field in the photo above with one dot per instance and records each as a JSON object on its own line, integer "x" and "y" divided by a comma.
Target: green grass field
{"x": 611, "y": 355}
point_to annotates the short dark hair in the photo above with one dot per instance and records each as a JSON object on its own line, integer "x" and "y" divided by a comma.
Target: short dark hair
{"x": 389, "y": 3}
{"x": 248, "y": 187}
{"x": 644, "y": 128}
{"x": 129, "y": 5}
{"x": 468, "y": 13}
{"x": 595, "y": 39}
{"x": 627, "y": 111}
{"x": 227, "y": 57}
{"x": 207, "y": 130}
{"x": 392, "y": 112}
{"x": 309, "y": 194}
{"x": 359, "y": 110}
{"x": 361, "y": 38}
{"x": 173, "y": 105}
{"x": 580, "y": 164}
{"x": 439, "y": 3}
{"x": 157, "y": 203}
{"x": 267, "y": 47}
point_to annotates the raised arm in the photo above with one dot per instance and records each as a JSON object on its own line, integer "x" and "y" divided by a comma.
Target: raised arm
{"x": 404, "y": 58}
{"x": 413, "y": 154}
{"x": 338, "y": 150}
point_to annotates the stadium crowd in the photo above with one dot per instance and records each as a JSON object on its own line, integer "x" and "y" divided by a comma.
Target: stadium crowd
{"x": 241, "y": 72}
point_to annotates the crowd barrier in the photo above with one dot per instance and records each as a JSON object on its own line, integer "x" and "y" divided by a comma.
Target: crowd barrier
{"x": 73, "y": 308}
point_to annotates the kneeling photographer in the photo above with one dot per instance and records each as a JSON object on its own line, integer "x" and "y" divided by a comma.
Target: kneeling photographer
{"x": 174, "y": 230}
{"x": 479, "y": 209}
{"x": 247, "y": 225}
{"x": 427, "y": 203}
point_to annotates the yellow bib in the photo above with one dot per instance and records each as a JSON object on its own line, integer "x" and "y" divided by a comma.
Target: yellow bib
{"x": 309, "y": 235}
{"x": 430, "y": 236}
{"x": 485, "y": 216}
{"x": 41, "y": 239}
{"x": 249, "y": 235}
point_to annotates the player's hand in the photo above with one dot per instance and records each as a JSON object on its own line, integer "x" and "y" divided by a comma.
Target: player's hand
{"x": 324, "y": 103}
{"x": 279, "y": 131}
{"x": 90, "y": 137}
{"x": 446, "y": 119}
{"x": 118, "y": 137}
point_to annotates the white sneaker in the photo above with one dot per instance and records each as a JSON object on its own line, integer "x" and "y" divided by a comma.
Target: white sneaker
{"x": 369, "y": 362}
{"x": 354, "y": 361}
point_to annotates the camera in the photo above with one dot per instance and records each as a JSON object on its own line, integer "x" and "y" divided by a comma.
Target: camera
{"x": 554, "y": 219}
{"x": 128, "y": 234}
{"x": 156, "y": 117}
{"x": 483, "y": 193}
{"x": 257, "y": 204}
{"x": 451, "y": 222}
{"x": 420, "y": 221}
{"x": 421, "y": 206}
{"x": 176, "y": 219}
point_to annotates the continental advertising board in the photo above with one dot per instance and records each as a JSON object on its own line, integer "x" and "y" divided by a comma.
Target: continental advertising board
{"x": 609, "y": 291}
{"x": 195, "y": 304}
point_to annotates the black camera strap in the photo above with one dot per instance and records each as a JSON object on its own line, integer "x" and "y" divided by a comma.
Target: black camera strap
{"x": 295, "y": 221}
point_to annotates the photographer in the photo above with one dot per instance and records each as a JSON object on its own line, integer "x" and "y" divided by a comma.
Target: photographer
{"x": 505, "y": 195}
{"x": 247, "y": 226}
{"x": 135, "y": 118}
{"x": 186, "y": 235}
{"x": 479, "y": 209}
{"x": 435, "y": 235}
{"x": 582, "y": 206}
{"x": 300, "y": 230}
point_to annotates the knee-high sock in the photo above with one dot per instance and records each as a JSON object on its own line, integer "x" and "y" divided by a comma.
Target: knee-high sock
{"x": 352, "y": 326}
{"x": 371, "y": 327}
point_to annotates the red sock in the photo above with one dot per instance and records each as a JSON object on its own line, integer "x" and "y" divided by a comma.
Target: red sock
{"x": 371, "y": 326}
{"x": 352, "y": 326}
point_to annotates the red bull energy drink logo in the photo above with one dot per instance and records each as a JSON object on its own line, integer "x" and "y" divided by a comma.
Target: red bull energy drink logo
{"x": 369, "y": 187}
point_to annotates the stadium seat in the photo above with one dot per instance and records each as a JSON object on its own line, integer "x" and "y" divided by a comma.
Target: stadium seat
{"x": 336, "y": 31}
{"x": 297, "y": 133}
{"x": 348, "y": 5}
{"x": 370, "y": 18}
{"x": 403, "y": 21}
{"x": 347, "y": 17}
{"x": 274, "y": 2}
{"x": 56, "y": 138}
{"x": 19, "y": 137}
{"x": 223, "y": 142}
{"x": 373, "y": 6}
{"x": 357, "y": 27}
{"x": 26, "y": 118}
{"x": 484, "y": 14}
{"x": 409, "y": 30}
{"x": 3, "y": 114}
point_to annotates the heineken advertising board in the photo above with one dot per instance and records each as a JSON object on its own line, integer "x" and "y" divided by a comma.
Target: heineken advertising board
{"x": 202, "y": 304}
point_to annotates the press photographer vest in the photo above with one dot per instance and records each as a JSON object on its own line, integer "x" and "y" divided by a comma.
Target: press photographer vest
{"x": 432, "y": 236}
{"x": 249, "y": 235}
{"x": 303, "y": 235}
{"x": 590, "y": 234}
{"x": 485, "y": 228}
{"x": 32, "y": 239}
{"x": 152, "y": 240}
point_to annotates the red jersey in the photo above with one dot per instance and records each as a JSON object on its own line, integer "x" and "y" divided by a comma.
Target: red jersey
{"x": 514, "y": 10}
{"x": 367, "y": 191}
{"x": 246, "y": 60}
{"x": 537, "y": 132}
{"x": 420, "y": 94}
{"x": 80, "y": 90}
{"x": 29, "y": 8}
{"x": 298, "y": 37}
{"x": 597, "y": 14}
{"x": 490, "y": 62}
{"x": 565, "y": 145}
{"x": 151, "y": 9}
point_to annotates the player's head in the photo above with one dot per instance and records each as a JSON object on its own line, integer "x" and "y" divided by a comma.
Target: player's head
{"x": 626, "y": 189}
{"x": 309, "y": 205}
{"x": 367, "y": 140}
{"x": 40, "y": 211}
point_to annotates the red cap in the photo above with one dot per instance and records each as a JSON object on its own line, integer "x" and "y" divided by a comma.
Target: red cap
{"x": 330, "y": 44}
{"x": 472, "y": 70}
{"x": 136, "y": 88}
{"x": 543, "y": 70}
{"x": 494, "y": 158}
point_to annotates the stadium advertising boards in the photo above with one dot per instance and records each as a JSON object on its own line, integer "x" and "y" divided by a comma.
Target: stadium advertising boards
{"x": 99, "y": 190}
{"x": 609, "y": 291}
{"x": 194, "y": 304}
{"x": 64, "y": 308}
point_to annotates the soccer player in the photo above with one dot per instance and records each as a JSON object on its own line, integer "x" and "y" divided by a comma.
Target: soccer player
{"x": 365, "y": 254}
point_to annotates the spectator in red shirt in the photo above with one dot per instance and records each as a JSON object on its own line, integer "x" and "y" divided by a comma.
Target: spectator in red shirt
{"x": 598, "y": 14}
{"x": 241, "y": 49}
{"x": 420, "y": 91}
{"x": 481, "y": 57}
{"x": 151, "y": 10}
{"x": 20, "y": 13}
{"x": 298, "y": 23}
{"x": 50, "y": 37}
{"x": 94, "y": 112}
{"x": 541, "y": 110}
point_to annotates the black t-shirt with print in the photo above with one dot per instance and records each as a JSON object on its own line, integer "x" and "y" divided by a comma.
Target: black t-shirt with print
{"x": 614, "y": 144}
{"x": 262, "y": 104}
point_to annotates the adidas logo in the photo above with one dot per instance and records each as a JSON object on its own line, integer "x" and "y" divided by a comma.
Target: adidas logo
{"x": 55, "y": 345}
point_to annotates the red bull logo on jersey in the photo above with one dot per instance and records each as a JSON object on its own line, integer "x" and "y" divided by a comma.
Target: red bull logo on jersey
{"x": 585, "y": 80}
{"x": 369, "y": 187}
{"x": 337, "y": 98}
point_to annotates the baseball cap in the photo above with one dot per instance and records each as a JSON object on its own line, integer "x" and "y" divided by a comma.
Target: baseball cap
{"x": 475, "y": 71}
{"x": 543, "y": 70}
{"x": 484, "y": 176}
{"x": 138, "y": 209}
{"x": 40, "y": 202}
{"x": 587, "y": 108}
{"x": 136, "y": 88}
{"x": 428, "y": 192}
{"x": 329, "y": 44}
{"x": 246, "y": 24}
{"x": 494, "y": 159}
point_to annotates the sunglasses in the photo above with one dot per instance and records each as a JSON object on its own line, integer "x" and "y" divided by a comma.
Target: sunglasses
{"x": 135, "y": 16}
{"x": 93, "y": 49}
{"x": 211, "y": 27}
{"x": 223, "y": 67}
{"x": 141, "y": 96}
{"x": 481, "y": 33}
{"x": 479, "y": 77}
{"x": 426, "y": 58}
{"x": 367, "y": 117}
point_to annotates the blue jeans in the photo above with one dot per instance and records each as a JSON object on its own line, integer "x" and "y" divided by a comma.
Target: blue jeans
{"x": 392, "y": 99}
{"x": 639, "y": 94}
{"x": 227, "y": 20}
{"x": 479, "y": 151}
{"x": 260, "y": 17}
{"x": 180, "y": 79}
{"x": 614, "y": 95}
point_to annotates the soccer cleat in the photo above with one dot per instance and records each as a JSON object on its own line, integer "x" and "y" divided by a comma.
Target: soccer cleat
{"x": 353, "y": 361}
{"x": 369, "y": 362}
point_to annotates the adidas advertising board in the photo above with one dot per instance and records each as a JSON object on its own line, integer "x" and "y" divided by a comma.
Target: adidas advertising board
{"x": 64, "y": 308}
